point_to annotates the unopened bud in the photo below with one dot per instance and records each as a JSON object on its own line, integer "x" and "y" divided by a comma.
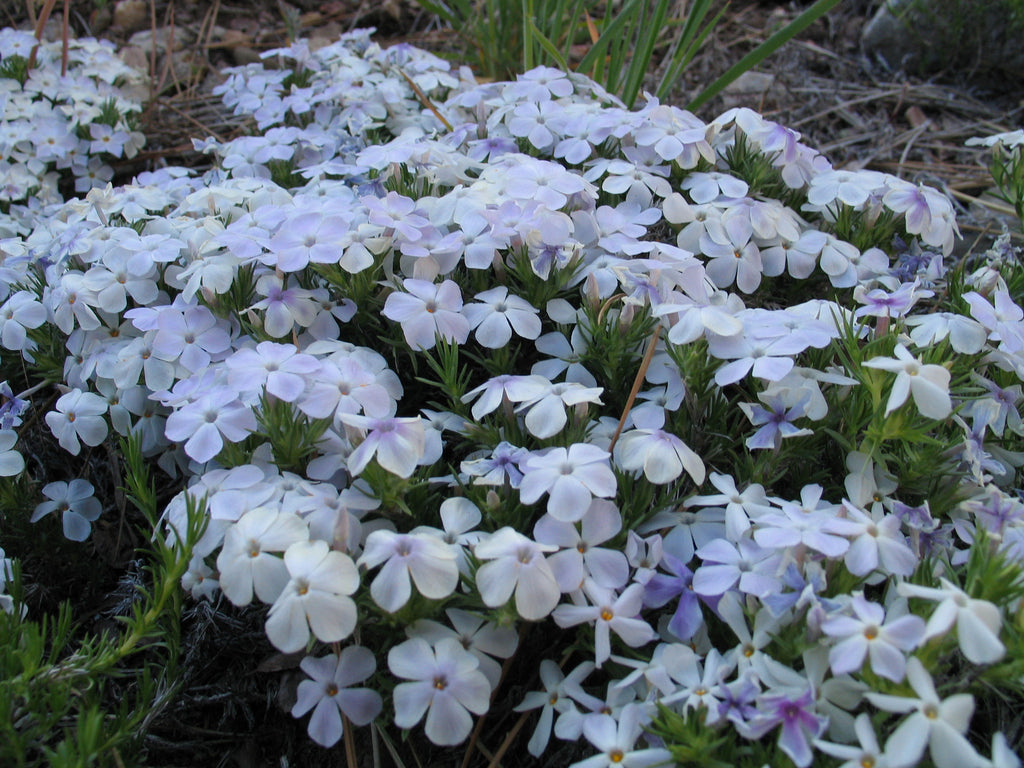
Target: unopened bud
{"x": 592, "y": 292}
{"x": 626, "y": 317}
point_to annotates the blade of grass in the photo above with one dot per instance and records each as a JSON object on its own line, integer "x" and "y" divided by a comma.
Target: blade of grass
{"x": 609, "y": 32}
{"x": 764, "y": 50}
{"x": 527, "y": 35}
{"x": 648, "y": 32}
{"x": 688, "y": 43}
{"x": 547, "y": 45}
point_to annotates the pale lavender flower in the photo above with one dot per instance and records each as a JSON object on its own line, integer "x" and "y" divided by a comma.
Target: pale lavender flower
{"x": 867, "y": 753}
{"x": 865, "y": 635}
{"x": 977, "y": 621}
{"x": 661, "y": 455}
{"x": 20, "y": 312}
{"x": 426, "y": 311}
{"x": 11, "y": 461}
{"x": 880, "y": 303}
{"x": 676, "y": 585}
{"x": 609, "y": 613}
{"x": 279, "y": 368}
{"x": 929, "y": 384}
{"x": 78, "y": 417}
{"x": 517, "y": 563}
{"x": 428, "y": 560}
{"x": 740, "y": 507}
{"x": 812, "y": 523}
{"x": 545, "y": 408}
{"x": 572, "y": 477}
{"x": 940, "y": 724}
{"x": 447, "y": 686}
{"x": 245, "y": 562}
{"x": 484, "y": 639}
{"x": 397, "y": 443}
{"x": 554, "y": 698}
{"x": 497, "y": 468}
{"x": 775, "y": 420}
{"x": 616, "y": 742}
{"x": 284, "y": 308}
{"x": 76, "y": 503}
{"x": 189, "y": 335}
{"x": 207, "y": 422}
{"x": 495, "y": 315}
{"x": 579, "y": 557}
{"x": 350, "y": 383}
{"x": 744, "y": 565}
{"x": 329, "y": 695}
{"x": 316, "y": 598}
{"x": 876, "y": 542}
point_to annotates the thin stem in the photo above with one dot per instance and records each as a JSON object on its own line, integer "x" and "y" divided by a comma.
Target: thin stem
{"x": 44, "y": 16}
{"x": 350, "y": 742}
{"x": 644, "y": 365}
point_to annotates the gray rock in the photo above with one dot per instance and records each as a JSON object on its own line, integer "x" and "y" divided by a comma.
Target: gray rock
{"x": 980, "y": 37}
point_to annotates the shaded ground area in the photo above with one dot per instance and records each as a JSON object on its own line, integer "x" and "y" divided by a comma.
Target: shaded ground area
{"x": 231, "y": 709}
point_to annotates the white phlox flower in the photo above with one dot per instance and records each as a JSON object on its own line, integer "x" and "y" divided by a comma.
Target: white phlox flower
{"x": 76, "y": 503}
{"x": 929, "y": 384}
{"x": 316, "y": 597}
{"x": 245, "y": 561}
{"x": 977, "y": 621}
{"x": 938, "y": 724}
{"x": 616, "y": 741}
{"x": 609, "y": 613}
{"x": 484, "y": 639}
{"x": 864, "y": 635}
{"x": 661, "y": 455}
{"x": 447, "y": 685}
{"x": 516, "y": 563}
{"x": 426, "y": 559}
{"x": 571, "y": 477}
{"x": 329, "y": 695}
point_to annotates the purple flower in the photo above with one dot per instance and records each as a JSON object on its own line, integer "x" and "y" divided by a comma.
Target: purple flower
{"x": 775, "y": 422}
{"x": 799, "y": 724}
{"x": 662, "y": 588}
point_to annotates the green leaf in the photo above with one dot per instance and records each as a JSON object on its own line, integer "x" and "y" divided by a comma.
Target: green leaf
{"x": 764, "y": 50}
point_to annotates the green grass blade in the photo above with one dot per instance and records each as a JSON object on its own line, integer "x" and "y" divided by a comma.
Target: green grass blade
{"x": 764, "y": 50}
{"x": 547, "y": 45}
{"x": 443, "y": 12}
{"x": 648, "y": 31}
{"x": 689, "y": 43}
{"x": 611, "y": 31}
{"x": 528, "y": 28}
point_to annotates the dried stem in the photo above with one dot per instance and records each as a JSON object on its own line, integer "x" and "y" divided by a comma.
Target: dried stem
{"x": 644, "y": 365}
{"x": 44, "y": 16}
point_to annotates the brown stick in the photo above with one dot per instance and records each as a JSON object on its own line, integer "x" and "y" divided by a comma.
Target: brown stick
{"x": 44, "y": 16}
{"x": 644, "y": 365}
{"x": 65, "y": 26}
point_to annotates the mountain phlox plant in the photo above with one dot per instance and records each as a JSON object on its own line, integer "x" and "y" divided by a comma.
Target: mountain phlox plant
{"x": 707, "y": 449}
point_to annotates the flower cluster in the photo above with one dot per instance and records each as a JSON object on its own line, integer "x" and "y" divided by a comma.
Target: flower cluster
{"x": 475, "y": 359}
{"x": 61, "y": 117}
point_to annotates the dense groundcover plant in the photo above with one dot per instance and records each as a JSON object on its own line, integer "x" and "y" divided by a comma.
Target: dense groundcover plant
{"x": 452, "y": 365}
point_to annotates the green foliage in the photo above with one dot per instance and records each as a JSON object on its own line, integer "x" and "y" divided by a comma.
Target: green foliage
{"x": 1007, "y": 169}
{"x": 626, "y": 43}
{"x": 62, "y": 699}
{"x": 14, "y": 68}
